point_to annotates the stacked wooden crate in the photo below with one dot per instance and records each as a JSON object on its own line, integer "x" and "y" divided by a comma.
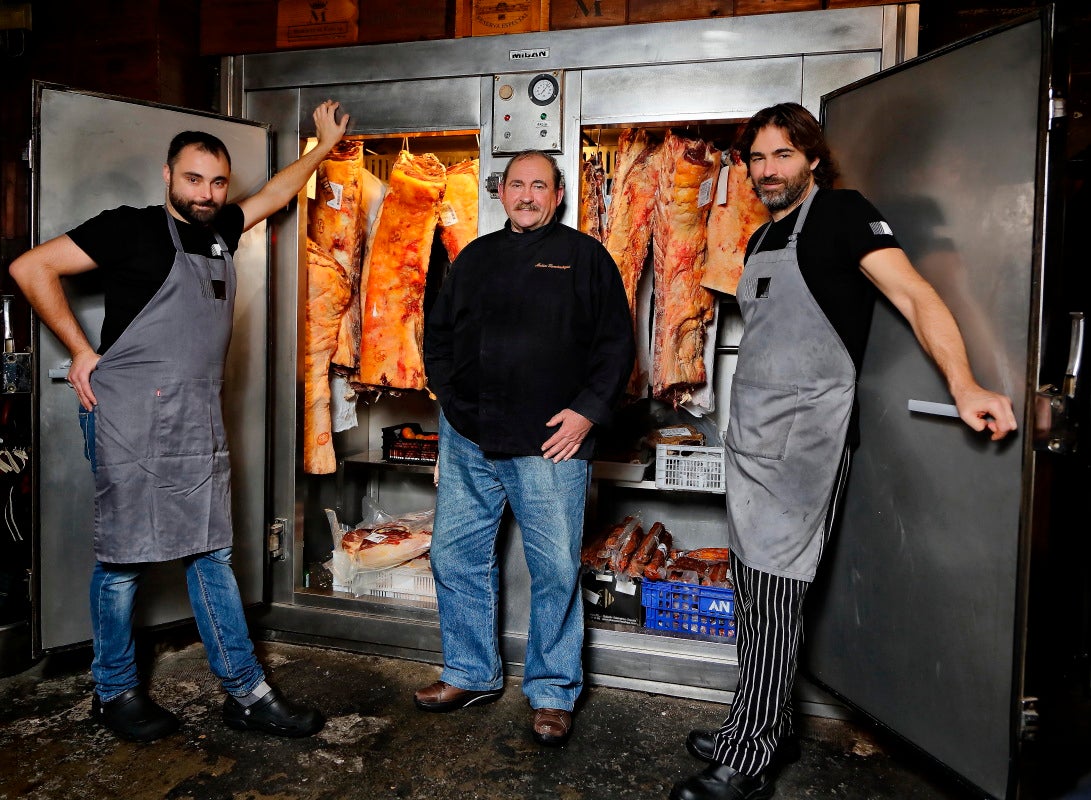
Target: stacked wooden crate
{"x": 231, "y": 27}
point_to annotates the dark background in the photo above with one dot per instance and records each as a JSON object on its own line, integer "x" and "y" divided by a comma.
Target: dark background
{"x": 161, "y": 51}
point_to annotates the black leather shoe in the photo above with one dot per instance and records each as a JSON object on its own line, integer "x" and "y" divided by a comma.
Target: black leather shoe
{"x": 273, "y": 714}
{"x": 701, "y": 744}
{"x": 721, "y": 782}
{"x": 134, "y": 716}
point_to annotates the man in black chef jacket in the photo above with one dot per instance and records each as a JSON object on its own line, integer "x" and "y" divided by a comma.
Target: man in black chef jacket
{"x": 806, "y": 296}
{"x": 152, "y": 417}
{"x": 528, "y": 346}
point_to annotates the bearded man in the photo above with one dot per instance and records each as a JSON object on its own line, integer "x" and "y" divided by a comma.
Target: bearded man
{"x": 806, "y": 295}
{"x": 150, "y": 408}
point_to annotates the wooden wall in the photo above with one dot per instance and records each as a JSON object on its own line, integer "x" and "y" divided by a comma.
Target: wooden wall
{"x": 167, "y": 51}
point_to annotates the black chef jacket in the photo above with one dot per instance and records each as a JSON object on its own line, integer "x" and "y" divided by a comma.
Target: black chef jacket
{"x": 526, "y": 325}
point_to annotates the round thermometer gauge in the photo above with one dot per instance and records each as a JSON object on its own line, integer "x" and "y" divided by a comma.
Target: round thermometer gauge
{"x": 544, "y": 89}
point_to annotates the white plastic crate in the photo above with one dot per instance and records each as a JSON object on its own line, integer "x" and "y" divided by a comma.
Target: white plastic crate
{"x": 412, "y": 581}
{"x": 691, "y": 467}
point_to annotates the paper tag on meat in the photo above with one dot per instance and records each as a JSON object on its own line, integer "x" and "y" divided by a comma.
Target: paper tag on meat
{"x": 721, "y": 185}
{"x": 375, "y": 537}
{"x": 704, "y": 193}
{"x": 448, "y": 218}
{"x": 338, "y": 192}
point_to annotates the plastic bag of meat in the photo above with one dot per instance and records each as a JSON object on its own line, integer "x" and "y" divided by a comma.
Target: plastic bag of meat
{"x": 378, "y": 544}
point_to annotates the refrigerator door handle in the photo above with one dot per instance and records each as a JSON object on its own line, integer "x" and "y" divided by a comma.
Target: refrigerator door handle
{"x": 1075, "y": 354}
{"x": 937, "y": 409}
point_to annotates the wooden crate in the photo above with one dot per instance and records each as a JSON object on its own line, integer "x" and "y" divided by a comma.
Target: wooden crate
{"x": 568, "y": 14}
{"x": 855, "y": 3}
{"x": 405, "y": 20}
{"x": 666, "y": 11}
{"x": 491, "y": 17}
{"x": 771, "y": 6}
{"x": 236, "y": 27}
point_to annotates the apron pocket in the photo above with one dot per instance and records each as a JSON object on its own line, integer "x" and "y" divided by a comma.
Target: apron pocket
{"x": 768, "y": 410}
{"x": 188, "y": 418}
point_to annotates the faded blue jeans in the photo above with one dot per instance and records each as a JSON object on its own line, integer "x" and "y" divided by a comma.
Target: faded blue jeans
{"x": 547, "y": 500}
{"x": 217, "y": 607}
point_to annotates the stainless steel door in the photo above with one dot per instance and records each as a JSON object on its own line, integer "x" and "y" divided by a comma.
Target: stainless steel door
{"x": 918, "y": 614}
{"x": 93, "y": 152}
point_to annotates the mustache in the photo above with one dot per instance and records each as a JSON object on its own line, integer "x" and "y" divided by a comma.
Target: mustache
{"x": 527, "y": 207}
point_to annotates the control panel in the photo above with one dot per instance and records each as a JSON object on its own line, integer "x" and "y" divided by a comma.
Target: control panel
{"x": 527, "y": 112}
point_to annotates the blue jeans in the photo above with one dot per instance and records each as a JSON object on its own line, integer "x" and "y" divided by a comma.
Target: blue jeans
{"x": 214, "y": 595}
{"x": 547, "y": 500}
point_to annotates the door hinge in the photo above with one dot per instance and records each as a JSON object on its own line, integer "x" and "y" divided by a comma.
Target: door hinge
{"x": 1057, "y": 108}
{"x": 276, "y": 539}
{"x": 1028, "y": 719}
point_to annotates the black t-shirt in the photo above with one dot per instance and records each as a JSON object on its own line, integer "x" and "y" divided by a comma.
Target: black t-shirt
{"x": 134, "y": 251}
{"x": 841, "y": 228}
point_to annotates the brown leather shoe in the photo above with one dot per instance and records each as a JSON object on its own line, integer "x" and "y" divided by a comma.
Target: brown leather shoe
{"x": 441, "y": 696}
{"x": 552, "y": 726}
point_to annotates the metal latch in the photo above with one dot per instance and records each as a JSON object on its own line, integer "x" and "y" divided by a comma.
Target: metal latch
{"x": 492, "y": 184}
{"x": 17, "y": 377}
{"x": 276, "y": 539}
{"x": 1056, "y": 426}
{"x": 1028, "y": 719}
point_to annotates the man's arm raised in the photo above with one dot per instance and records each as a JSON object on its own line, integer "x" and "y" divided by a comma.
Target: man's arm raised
{"x": 285, "y": 185}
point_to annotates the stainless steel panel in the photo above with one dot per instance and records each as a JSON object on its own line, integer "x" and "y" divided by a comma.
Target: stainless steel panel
{"x": 691, "y": 71}
{"x": 824, "y": 73}
{"x": 745, "y": 37}
{"x": 919, "y": 623}
{"x": 715, "y": 90}
{"x": 395, "y": 106}
{"x": 95, "y": 152}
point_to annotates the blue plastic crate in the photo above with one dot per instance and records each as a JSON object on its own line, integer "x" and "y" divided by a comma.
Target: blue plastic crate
{"x": 688, "y": 608}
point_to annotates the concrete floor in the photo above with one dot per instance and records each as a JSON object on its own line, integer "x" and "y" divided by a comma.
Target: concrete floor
{"x": 626, "y": 746}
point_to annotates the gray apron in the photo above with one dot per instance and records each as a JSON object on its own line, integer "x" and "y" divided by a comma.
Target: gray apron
{"x": 162, "y": 482}
{"x": 791, "y": 398}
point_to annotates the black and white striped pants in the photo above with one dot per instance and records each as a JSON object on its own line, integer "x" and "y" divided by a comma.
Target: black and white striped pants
{"x": 769, "y": 625}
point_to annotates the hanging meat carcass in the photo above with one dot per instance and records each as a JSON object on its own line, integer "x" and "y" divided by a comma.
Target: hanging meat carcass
{"x": 592, "y": 197}
{"x": 730, "y": 226}
{"x": 683, "y": 307}
{"x": 337, "y": 221}
{"x": 328, "y": 295}
{"x": 628, "y": 225}
{"x": 395, "y": 270}
{"x": 458, "y": 211}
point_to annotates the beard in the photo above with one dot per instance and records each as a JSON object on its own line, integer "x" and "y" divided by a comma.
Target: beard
{"x": 193, "y": 212}
{"x": 784, "y": 193}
